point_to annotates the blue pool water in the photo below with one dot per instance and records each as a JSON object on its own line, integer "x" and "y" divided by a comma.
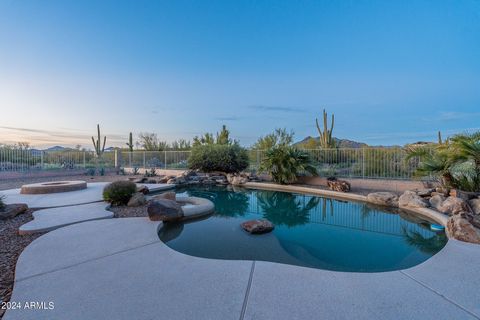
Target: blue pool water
{"x": 309, "y": 231}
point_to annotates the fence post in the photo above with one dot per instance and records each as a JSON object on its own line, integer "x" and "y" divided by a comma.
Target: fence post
{"x": 144, "y": 161}
{"x": 84, "y": 160}
{"x": 363, "y": 163}
{"x": 41, "y": 160}
{"x": 165, "y": 162}
{"x": 116, "y": 158}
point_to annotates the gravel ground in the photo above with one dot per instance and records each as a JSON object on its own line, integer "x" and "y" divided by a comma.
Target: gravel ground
{"x": 128, "y": 212}
{"x": 11, "y": 245}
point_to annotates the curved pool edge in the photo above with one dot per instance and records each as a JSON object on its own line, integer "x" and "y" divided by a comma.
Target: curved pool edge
{"x": 424, "y": 212}
{"x": 409, "y": 291}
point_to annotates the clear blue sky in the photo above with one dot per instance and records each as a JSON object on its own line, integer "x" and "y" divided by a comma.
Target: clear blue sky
{"x": 391, "y": 71}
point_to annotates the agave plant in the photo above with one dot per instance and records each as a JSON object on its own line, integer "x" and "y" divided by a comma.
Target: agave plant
{"x": 286, "y": 163}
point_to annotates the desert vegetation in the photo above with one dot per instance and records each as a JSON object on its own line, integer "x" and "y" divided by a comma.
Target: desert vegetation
{"x": 454, "y": 163}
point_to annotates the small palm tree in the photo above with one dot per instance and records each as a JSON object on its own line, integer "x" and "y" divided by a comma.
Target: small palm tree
{"x": 285, "y": 163}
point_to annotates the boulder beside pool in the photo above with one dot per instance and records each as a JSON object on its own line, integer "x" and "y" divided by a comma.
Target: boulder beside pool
{"x": 164, "y": 210}
{"x": 257, "y": 226}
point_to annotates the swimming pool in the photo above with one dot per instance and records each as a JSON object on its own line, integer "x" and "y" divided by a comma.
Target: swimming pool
{"x": 310, "y": 231}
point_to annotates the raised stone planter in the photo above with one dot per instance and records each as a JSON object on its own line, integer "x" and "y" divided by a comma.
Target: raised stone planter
{"x": 53, "y": 187}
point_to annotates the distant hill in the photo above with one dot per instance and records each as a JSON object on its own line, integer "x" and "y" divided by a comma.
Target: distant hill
{"x": 341, "y": 143}
{"x": 55, "y": 148}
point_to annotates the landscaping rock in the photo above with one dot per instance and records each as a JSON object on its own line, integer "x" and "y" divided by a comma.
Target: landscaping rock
{"x": 170, "y": 195}
{"x": 475, "y": 205}
{"x": 163, "y": 179}
{"x": 424, "y": 193}
{"x": 137, "y": 200}
{"x": 338, "y": 185}
{"x": 258, "y": 226}
{"x": 383, "y": 198}
{"x": 172, "y": 181}
{"x": 437, "y": 200}
{"x": 453, "y": 205}
{"x": 12, "y": 210}
{"x": 143, "y": 189}
{"x": 462, "y": 194}
{"x": 458, "y": 227}
{"x": 164, "y": 210}
{"x": 139, "y": 180}
{"x": 410, "y": 199}
{"x": 239, "y": 180}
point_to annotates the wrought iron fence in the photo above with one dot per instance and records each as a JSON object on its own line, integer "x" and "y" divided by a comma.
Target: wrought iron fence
{"x": 389, "y": 163}
{"x": 14, "y": 160}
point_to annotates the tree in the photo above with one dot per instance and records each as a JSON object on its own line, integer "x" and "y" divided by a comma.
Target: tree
{"x": 280, "y": 137}
{"x": 221, "y": 138}
{"x": 150, "y": 142}
{"x": 285, "y": 163}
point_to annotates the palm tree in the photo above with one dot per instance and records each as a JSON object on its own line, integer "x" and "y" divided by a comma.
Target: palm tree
{"x": 285, "y": 163}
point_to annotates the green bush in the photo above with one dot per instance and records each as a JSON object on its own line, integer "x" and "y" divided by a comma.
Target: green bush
{"x": 285, "y": 164}
{"x": 119, "y": 192}
{"x": 216, "y": 157}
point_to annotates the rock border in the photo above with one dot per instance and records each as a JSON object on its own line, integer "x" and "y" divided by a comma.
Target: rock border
{"x": 424, "y": 212}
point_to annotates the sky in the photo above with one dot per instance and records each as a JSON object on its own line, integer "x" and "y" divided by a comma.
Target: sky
{"x": 392, "y": 72}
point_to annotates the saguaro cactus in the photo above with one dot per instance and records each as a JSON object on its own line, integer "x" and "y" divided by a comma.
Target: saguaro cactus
{"x": 440, "y": 141}
{"x": 130, "y": 142}
{"x": 96, "y": 144}
{"x": 326, "y": 140}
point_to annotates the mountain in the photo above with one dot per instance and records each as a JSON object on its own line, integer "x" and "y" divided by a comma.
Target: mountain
{"x": 341, "y": 143}
{"x": 56, "y": 148}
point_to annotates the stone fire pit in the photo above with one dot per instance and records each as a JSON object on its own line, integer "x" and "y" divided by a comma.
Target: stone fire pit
{"x": 53, "y": 187}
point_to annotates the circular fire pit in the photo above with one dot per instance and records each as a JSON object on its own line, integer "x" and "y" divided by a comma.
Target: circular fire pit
{"x": 53, "y": 187}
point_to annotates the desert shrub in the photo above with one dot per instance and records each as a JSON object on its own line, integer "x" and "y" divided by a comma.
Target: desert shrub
{"x": 285, "y": 164}
{"x": 218, "y": 157}
{"x": 119, "y": 192}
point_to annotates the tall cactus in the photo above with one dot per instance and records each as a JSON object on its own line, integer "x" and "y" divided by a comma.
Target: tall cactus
{"x": 96, "y": 144}
{"x": 130, "y": 142}
{"x": 326, "y": 140}
{"x": 440, "y": 141}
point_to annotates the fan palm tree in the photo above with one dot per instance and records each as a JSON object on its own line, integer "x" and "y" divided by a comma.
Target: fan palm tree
{"x": 285, "y": 163}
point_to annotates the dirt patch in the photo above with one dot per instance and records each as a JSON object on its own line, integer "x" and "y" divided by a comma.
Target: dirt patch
{"x": 11, "y": 245}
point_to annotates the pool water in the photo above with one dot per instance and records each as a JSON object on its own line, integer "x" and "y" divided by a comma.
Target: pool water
{"x": 309, "y": 231}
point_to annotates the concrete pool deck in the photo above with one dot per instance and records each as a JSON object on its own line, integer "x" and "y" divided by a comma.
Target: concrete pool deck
{"x": 93, "y": 193}
{"x": 119, "y": 269}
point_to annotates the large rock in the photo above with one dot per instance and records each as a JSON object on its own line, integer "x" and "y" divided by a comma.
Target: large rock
{"x": 164, "y": 210}
{"x": 437, "y": 200}
{"x": 410, "y": 199}
{"x": 425, "y": 192}
{"x": 383, "y": 198}
{"x": 475, "y": 205}
{"x": 458, "y": 227}
{"x": 137, "y": 200}
{"x": 257, "y": 226}
{"x": 338, "y": 185}
{"x": 12, "y": 210}
{"x": 453, "y": 205}
{"x": 143, "y": 189}
{"x": 239, "y": 180}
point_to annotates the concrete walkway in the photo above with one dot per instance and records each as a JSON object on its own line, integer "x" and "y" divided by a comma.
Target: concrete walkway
{"x": 119, "y": 269}
{"x": 53, "y": 218}
{"x": 93, "y": 193}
